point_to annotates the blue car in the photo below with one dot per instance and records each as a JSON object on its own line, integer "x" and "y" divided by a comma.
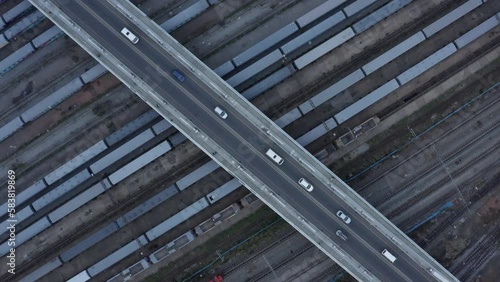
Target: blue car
{"x": 179, "y": 75}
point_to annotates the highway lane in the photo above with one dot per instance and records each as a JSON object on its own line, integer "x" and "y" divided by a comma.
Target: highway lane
{"x": 196, "y": 101}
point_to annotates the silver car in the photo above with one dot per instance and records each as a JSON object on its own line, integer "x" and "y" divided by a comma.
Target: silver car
{"x": 344, "y": 217}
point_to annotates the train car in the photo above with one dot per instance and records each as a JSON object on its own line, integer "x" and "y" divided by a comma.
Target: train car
{"x": 80, "y": 277}
{"x": 140, "y": 162}
{"x": 122, "y": 151}
{"x": 323, "y": 48}
{"x": 224, "y": 69}
{"x": 171, "y": 247}
{"x": 185, "y": 16}
{"x": 318, "y": 12}
{"x": 131, "y": 271}
{"x": 76, "y": 162}
{"x": 196, "y": 175}
{"x": 265, "y": 44}
{"x": 161, "y": 126}
{"x": 476, "y": 32}
{"x": 17, "y": 11}
{"x": 366, "y": 101}
{"x": 176, "y": 219}
{"x": 177, "y": 138}
{"x": 11, "y": 127}
{"x": 331, "y": 91}
{"x": 26, "y": 234}
{"x": 267, "y": 83}
{"x": 88, "y": 242}
{"x": 78, "y": 201}
{"x": 223, "y": 190}
{"x": 52, "y": 100}
{"x": 37, "y": 187}
{"x": 393, "y": 53}
{"x": 427, "y": 63}
{"x": 93, "y": 73}
{"x": 117, "y": 256}
{"x": 131, "y": 127}
{"x": 46, "y": 37}
{"x": 146, "y": 206}
{"x": 357, "y": 6}
{"x": 60, "y": 190}
{"x": 309, "y": 35}
{"x": 2, "y": 22}
{"x": 42, "y": 271}
{"x": 21, "y": 215}
{"x": 3, "y": 40}
{"x": 255, "y": 68}
{"x": 317, "y": 132}
{"x": 451, "y": 17}
{"x": 15, "y": 58}
{"x": 24, "y": 25}
{"x": 288, "y": 118}
{"x": 380, "y": 14}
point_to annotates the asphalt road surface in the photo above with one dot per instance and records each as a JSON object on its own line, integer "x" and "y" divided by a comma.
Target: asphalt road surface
{"x": 240, "y": 139}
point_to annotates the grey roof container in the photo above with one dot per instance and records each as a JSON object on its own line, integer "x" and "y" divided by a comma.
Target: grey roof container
{"x": 427, "y": 63}
{"x": 11, "y": 127}
{"x": 15, "y": 58}
{"x": 265, "y": 44}
{"x": 140, "y": 162}
{"x": 76, "y": 162}
{"x": 451, "y": 17}
{"x": 393, "y": 53}
{"x": 89, "y": 241}
{"x": 366, "y": 101}
{"x": 223, "y": 190}
{"x": 26, "y": 234}
{"x": 177, "y": 219}
{"x": 357, "y": 6}
{"x": 317, "y": 12}
{"x": 46, "y": 37}
{"x": 380, "y": 14}
{"x": 20, "y": 216}
{"x": 224, "y": 69}
{"x": 131, "y": 127}
{"x": 268, "y": 82}
{"x": 312, "y": 33}
{"x": 115, "y": 257}
{"x": 93, "y": 73}
{"x": 255, "y": 68}
{"x": 42, "y": 271}
{"x": 177, "y": 138}
{"x": 196, "y": 175}
{"x": 78, "y": 201}
{"x": 288, "y": 118}
{"x": 62, "y": 189}
{"x": 122, "y": 151}
{"x": 52, "y": 100}
{"x": 185, "y": 16}
{"x": 18, "y": 10}
{"x": 25, "y": 24}
{"x": 323, "y": 48}
{"x": 24, "y": 195}
{"x": 161, "y": 126}
{"x": 317, "y": 132}
{"x": 146, "y": 206}
{"x": 479, "y": 30}
{"x": 331, "y": 91}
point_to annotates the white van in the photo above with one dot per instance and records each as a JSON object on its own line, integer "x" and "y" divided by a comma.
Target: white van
{"x": 134, "y": 39}
{"x": 388, "y": 255}
{"x": 277, "y": 159}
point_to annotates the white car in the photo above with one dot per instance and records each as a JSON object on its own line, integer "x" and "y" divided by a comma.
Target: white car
{"x": 134, "y": 39}
{"x": 306, "y": 185}
{"x": 220, "y": 112}
{"x": 341, "y": 235}
{"x": 344, "y": 217}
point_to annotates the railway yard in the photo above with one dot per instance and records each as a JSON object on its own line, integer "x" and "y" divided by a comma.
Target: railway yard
{"x": 400, "y": 98}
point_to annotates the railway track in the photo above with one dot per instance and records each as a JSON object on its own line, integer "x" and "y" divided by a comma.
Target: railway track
{"x": 436, "y": 164}
{"x": 445, "y": 223}
{"x": 483, "y": 250}
{"x": 421, "y": 150}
